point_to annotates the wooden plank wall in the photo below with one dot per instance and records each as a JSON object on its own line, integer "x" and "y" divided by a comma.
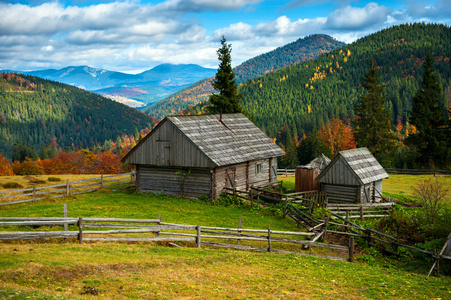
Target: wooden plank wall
{"x": 340, "y": 193}
{"x": 340, "y": 173}
{"x": 155, "y": 180}
{"x": 166, "y": 147}
{"x": 305, "y": 180}
{"x": 245, "y": 175}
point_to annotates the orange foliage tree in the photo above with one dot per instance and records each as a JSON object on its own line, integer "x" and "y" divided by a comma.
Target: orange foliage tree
{"x": 27, "y": 167}
{"x": 337, "y": 136}
{"x": 5, "y": 167}
{"x": 107, "y": 163}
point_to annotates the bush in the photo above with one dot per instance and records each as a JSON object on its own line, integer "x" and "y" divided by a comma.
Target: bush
{"x": 12, "y": 185}
{"x": 37, "y": 181}
{"x": 53, "y": 179}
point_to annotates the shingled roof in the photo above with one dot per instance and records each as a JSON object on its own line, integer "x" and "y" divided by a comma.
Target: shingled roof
{"x": 228, "y": 140}
{"x": 360, "y": 162}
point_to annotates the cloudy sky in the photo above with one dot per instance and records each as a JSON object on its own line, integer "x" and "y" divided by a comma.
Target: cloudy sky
{"x": 133, "y": 36}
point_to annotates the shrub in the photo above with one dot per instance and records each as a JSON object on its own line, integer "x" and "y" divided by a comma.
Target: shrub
{"x": 12, "y": 185}
{"x": 53, "y": 179}
{"x": 432, "y": 194}
{"x": 27, "y": 167}
{"x": 37, "y": 181}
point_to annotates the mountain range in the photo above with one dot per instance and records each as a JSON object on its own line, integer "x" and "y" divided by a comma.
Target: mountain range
{"x": 284, "y": 101}
{"x": 303, "y": 49}
{"x": 299, "y": 99}
{"x": 132, "y": 89}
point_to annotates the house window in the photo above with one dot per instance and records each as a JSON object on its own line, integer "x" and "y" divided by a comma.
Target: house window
{"x": 258, "y": 170}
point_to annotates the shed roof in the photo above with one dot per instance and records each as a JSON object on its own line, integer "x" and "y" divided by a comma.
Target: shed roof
{"x": 230, "y": 140}
{"x": 360, "y": 162}
{"x": 320, "y": 163}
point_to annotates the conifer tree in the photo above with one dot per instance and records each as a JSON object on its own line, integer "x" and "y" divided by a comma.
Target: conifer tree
{"x": 227, "y": 100}
{"x": 429, "y": 120}
{"x": 372, "y": 122}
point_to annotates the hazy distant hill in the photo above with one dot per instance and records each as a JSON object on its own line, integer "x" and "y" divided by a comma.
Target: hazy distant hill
{"x": 146, "y": 87}
{"x": 305, "y": 96}
{"x": 36, "y": 111}
{"x": 293, "y": 53}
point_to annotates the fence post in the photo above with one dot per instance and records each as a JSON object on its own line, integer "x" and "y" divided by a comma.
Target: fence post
{"x": 34, "y": 192}
{"x": 157, "y": 234}
{"x": 65, "y": 215}
{"x": 239, "y": 231}
{"x": 351, "y": 249}
{"x": 269, "y": 239}
{"x": 67, "y": 188}
{"x": 252, "y": 197}
{"x": 101, "y": 180}
{"x": 361, "y": 213}
{"x": 323, "y": 238}
{"x": 198, "y": 236}
{"x": 285, "y": 208}
{"x": 131, "y": 176}
{"x": 80, "y": 230}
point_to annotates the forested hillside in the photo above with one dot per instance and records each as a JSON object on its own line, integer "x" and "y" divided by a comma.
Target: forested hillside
{"x": 37, "y": 112}
{"x": 301, "y": 50}
{"x": 307, "y": 95}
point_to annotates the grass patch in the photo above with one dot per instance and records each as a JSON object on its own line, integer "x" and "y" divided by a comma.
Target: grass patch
{"x": 63, "y": 269}
{"x": 402, "y": 184}
{"x": 12, "y": 185}
{"x": 143, "y": 271}
{"x": 54, "y": 179}
{"x": 43, "y": 179}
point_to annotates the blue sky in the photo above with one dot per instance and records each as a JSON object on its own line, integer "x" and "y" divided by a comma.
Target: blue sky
{"x": 133, "y": 36}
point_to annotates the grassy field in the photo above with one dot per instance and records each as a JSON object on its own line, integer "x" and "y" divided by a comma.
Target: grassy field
{"x": 63, "y": 269}
{"x": 42, "y": 180}
{"x": 394, "y": 185}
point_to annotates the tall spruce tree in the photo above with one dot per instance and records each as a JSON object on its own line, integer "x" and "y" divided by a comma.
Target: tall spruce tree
{"x": 372, "y": 123}
{"x": 227, "y": 100}
{"x": 427, "y": 115}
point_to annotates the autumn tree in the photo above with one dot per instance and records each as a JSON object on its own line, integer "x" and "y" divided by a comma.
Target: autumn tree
{"x": 337, "y": 136}
{"x": 27, "y": 167}
{"x": 5, "y": 167}
{"x": 427, "y": 115}
{"x": 372, "y": 127}
{"x": 227, "y": 100}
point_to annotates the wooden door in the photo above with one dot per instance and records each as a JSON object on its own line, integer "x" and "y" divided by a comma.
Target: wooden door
{"x": 230, "y": 178}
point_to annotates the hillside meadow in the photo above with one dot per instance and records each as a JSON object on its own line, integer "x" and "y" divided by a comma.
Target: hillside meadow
{"x": 64, "y": 269}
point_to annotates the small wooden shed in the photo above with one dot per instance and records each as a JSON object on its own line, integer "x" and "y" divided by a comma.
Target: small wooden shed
{"x": 201, "y": 155}
{"x": 305, "y": 176}
{"x": 353, "y": 176}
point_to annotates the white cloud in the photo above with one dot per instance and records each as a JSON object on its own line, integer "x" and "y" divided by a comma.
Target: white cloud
{"x": 48, "y": 48}
{"x": 354, "y": 18}
{"x": 203, "y": 5}
{"x": 235, "y": 32}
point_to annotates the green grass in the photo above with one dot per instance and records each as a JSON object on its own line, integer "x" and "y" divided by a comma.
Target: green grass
{"x": 143, "y": 271}
{"x": 402, "y": 184}
{"x": 63, "y": 269}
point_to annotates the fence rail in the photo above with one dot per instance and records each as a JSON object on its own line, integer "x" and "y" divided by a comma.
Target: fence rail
{"x": 418, "y": 171}
{"x": 286, "y": 172}
{"x": 111, "y": 229}
{"x": 64, "y": 189}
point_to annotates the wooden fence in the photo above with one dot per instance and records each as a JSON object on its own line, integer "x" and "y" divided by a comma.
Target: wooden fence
{"x": 291, "y": 172}
{"x": 361, "y": 211}
{"x": 65, "y": 189}
{"x": 153, "y": 230}
{"x": 286, "y": 172}
{"x": 418, "y": 171}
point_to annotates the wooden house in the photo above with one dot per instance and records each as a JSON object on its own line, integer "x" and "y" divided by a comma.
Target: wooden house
{"x": 305, "y": 176}
{"x": 201, "y": 155}
{"x": 353, "y": 176}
